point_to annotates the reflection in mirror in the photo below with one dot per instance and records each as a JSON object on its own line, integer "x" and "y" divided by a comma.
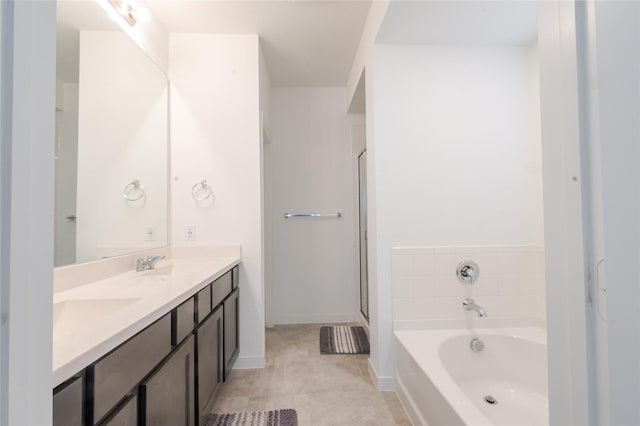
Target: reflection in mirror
{"x": 111, "y": 140}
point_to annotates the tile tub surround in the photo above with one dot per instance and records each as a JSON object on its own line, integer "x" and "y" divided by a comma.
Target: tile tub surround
{"x": 323, "y": 389}
{"x": 145, "y": 297}
{"x": 425, "y": 287}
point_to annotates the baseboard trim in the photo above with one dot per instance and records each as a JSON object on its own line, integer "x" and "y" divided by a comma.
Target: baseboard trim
{"x": 314, "y": 319}
{"x": 244, "y": 363}
{"x": 383, "y": 383}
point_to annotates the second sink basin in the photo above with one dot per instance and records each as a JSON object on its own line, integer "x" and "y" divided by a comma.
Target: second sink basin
{"x": 71, "y": 316}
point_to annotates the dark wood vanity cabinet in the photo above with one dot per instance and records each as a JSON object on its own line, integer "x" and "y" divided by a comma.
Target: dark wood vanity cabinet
{"x": 68, "y": 403}
{"x": 167, "y": 374}
{"x": 114, "y": 376}
{"x": 210, "y": 336}
{"x": 231, "y": 330}
{"x": 126, "y": 414}
{"x": 166, "y": 398}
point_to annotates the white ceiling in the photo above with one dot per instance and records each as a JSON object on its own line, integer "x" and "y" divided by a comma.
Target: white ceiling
{"x": 305, "y": 42}
{"x": 313, "y": 42}
{"x": 470, "y": 22}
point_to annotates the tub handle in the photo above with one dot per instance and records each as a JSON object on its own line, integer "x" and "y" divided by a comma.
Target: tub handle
{"x": 467, "y": 271}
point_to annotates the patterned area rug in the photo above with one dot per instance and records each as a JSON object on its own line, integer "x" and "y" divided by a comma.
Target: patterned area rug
{"x": 287, "y": 417}
{"x": 341, "y": 339}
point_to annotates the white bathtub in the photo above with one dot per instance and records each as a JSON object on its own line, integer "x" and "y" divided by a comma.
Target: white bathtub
{"x": 442, "y": 381}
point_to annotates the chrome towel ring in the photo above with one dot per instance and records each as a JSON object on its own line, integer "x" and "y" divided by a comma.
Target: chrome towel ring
{"x": 133, "y": 188}
{"x": 201, "y": 191}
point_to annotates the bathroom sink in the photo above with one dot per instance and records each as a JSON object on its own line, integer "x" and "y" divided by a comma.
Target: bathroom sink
{"x": 71, "y": 316}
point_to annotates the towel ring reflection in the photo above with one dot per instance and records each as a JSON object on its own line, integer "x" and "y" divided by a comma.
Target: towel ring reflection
{"x": 132, "y": 187}
{"x": 201, "y": 187}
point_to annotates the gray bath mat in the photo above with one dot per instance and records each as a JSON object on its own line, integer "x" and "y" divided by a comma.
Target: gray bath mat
{"x": 286, "y": 417}
{"x": 341, "y": 339}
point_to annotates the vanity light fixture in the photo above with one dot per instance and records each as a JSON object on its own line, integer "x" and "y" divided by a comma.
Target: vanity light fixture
{"x": 126, "y": 10}
{"x": 131, "y": 12}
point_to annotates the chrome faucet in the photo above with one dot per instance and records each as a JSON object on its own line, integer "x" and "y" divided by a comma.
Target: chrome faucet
{"x": 470, "y": 305}
{"x": 149, "y": 263}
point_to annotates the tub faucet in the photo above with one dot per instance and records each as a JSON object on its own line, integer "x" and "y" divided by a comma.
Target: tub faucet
{"x": 470, "y": 305}
{"x": 149, "y": 263}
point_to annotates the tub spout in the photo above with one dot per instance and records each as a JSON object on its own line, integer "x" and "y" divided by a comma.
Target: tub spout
{"x": 470, "y": 305}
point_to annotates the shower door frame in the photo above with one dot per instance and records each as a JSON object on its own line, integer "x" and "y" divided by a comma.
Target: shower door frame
{"x": 362, "y": 234}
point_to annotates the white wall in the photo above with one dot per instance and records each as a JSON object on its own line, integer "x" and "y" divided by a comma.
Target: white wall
{"x": 457, "y": 154}
{"x": 611, "y": 65}
{"x": 458, "y": 148}
{"x": 565, "y": 269}
{"x": 312, "y": 159}
{"x": 27, "y": 125}
{"x": 122, "y": 136}
{"x": 215, "y": 134}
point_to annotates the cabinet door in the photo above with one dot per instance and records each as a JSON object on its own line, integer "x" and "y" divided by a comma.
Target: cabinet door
{"x": 167, "y": 396}
{"x": 231, "y": 330}
{"x": 210, "y": 360}
{"x": 110, "y": 379}
{"x": 125, "y": 415}
{"x": 67, "y": 403}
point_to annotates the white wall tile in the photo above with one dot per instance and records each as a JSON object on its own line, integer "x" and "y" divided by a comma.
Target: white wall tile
{"x": 486, "y": 285}
{"x": 424, "y": 264}
{"x": 510, "y": 284}
{"x": 424, "y": 286}
{"x": 448, "y": 286}
{"x": 445, "y": 263}
{"x": 402, "y": 265}
{"x": 449, "y": 308}
{"x": 403, "y": 287}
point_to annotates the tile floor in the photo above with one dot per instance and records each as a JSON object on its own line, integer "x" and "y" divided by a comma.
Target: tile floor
{"x": 323, "y": 389}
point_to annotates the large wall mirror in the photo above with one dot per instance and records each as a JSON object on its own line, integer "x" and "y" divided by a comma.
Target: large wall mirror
{"x": 111, "y": 140}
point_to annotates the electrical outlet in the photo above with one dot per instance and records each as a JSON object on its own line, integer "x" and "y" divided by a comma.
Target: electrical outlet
{"x": 189, "y": 233}
{"x": 150, "y": 234}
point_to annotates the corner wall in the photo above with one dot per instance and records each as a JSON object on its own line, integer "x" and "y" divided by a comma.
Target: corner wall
{"x": 215, "y": 135}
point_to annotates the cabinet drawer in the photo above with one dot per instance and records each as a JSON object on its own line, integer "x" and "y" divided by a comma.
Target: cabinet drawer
{"x": 67, "y": 403}
{"x": 111, "y": 378}
{"x": 167, "y": 396}
{"x": 182, "y": 321}
{"x": 235, "y": 277}
{"x": 221, "y": 288}
{"x": 203, "y": 299}
{"x": 125, "y": 415}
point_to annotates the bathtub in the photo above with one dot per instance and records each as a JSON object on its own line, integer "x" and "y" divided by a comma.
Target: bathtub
{"x": 442, "y": 381}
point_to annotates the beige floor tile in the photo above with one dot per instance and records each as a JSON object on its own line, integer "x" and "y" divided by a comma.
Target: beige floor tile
{"x": 323, "y": 389}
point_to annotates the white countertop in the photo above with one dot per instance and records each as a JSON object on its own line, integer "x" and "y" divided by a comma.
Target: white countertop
{"x": 93, "y": 318}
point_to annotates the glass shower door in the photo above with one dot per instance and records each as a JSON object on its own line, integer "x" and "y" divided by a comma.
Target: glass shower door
{"x": 362, "y": 195}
